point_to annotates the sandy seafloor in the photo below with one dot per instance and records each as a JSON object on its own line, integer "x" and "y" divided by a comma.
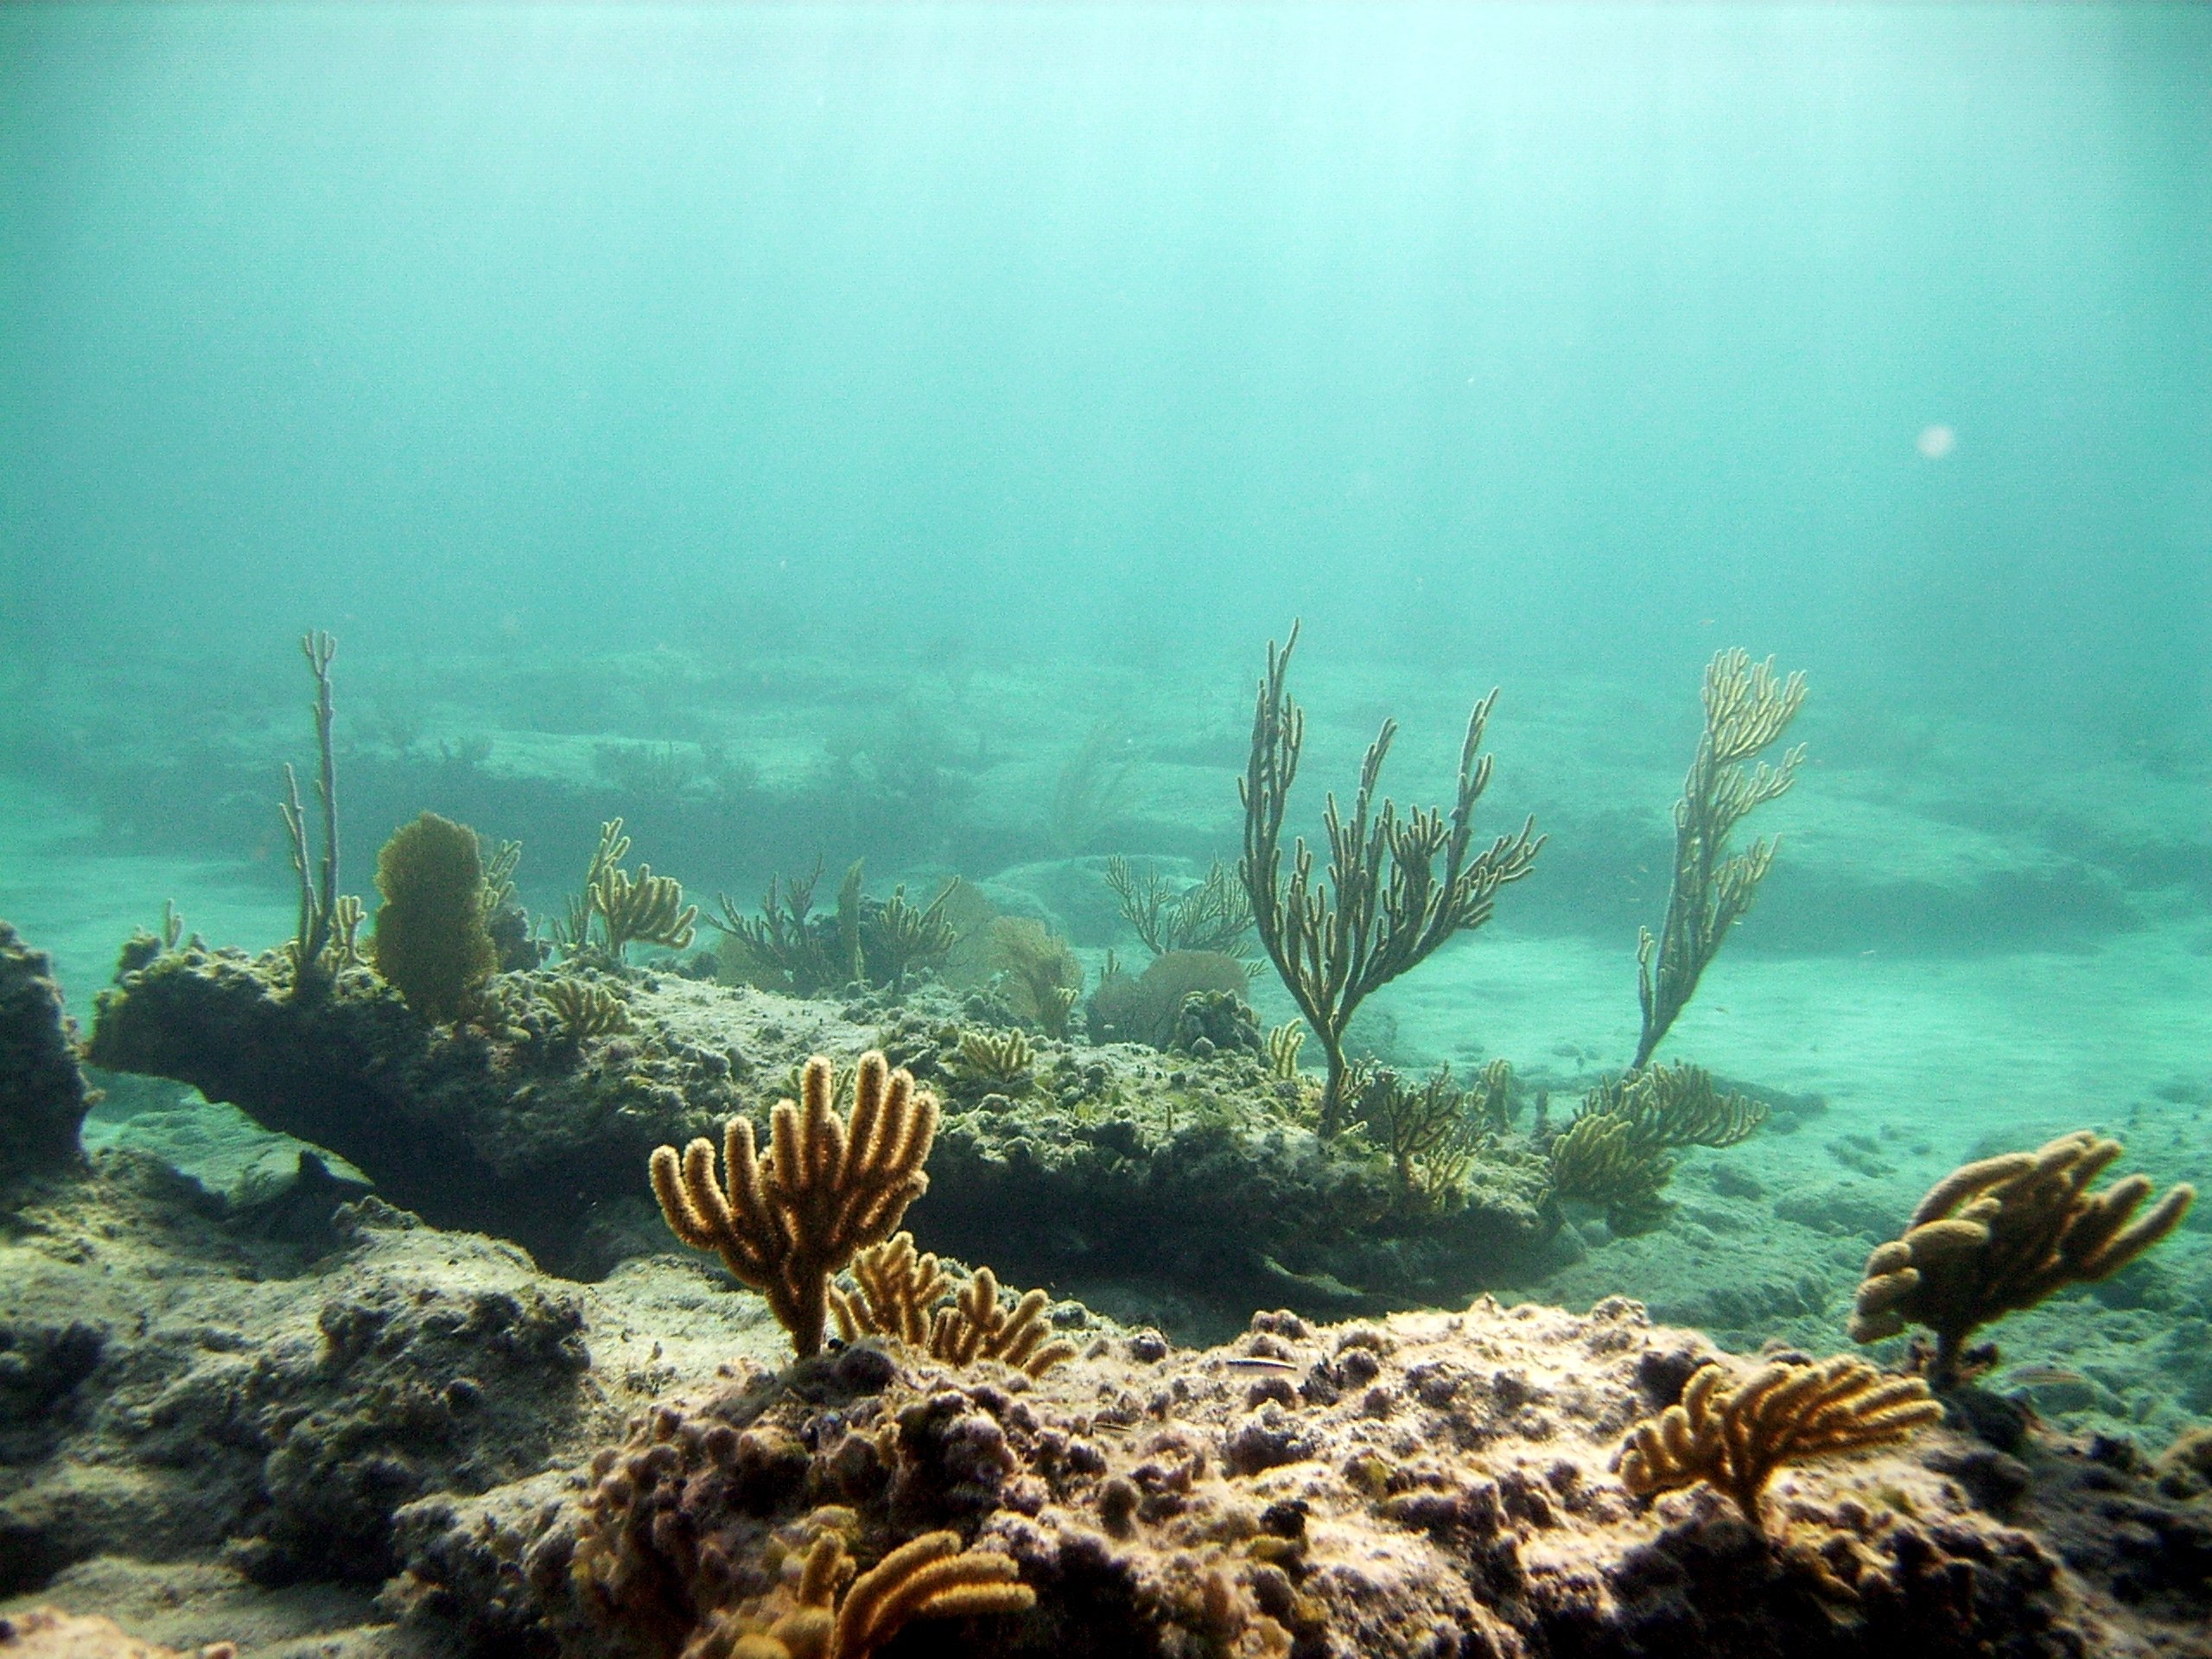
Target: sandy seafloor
{"x": 1927, "y": 1051}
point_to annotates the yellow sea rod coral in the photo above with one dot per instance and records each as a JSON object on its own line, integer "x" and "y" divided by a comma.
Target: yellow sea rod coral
{"x": 1735, "y": 1437}
{"x": 928, "y": 1577}
{"x": 992, "y": 1059}
{"x": 585, "y": 1008}
{"x": 827, "y": 1189}
{"x": 896, "y": 1296}
{"x": 1746, "y": 710}
{"x": 1400, "y": 883}
{"x": 2002, "y": 1233}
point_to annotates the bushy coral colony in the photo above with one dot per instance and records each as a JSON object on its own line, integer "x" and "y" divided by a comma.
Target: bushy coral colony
{"x": 935, "y": 1458}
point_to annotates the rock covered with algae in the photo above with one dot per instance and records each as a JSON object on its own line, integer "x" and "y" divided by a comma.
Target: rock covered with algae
{"x": 202, "y": 1413}
{"x": 1116, "y": 1162}
{"x": 1427, "y": 1484}
{"x": 43, "y": 1098}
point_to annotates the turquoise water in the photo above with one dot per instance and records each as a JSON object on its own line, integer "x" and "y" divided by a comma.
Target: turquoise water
{"x": 803, "y": 429}
{"x": 1516, "y": 333}
{"x": 890, "y": 439}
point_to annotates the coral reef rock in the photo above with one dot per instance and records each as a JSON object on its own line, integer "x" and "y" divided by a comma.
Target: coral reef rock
{"x": 1433, "y": 1483}
{"x": 1120, "y": 1163}
{"x": 515, "y": 1131}
{"x": 166, "y": 1387}
{"x": 208, "y": 1435}
{"x": 42, "y": 1094}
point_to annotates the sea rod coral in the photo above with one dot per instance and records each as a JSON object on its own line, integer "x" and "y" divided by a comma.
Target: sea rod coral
{"x": 2000, "y": 1235}
{"x": 1386, "y": 906}
{"x": 901, "y": 1294}
{"x": 828, "y": 1189}
{"x": 1746, "y": 710}
{"x": 318, "y": 878}
{"x": 1736, "y": 1435}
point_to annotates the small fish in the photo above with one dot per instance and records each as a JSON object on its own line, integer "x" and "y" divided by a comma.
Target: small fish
{"x": 1259, "y": 1362}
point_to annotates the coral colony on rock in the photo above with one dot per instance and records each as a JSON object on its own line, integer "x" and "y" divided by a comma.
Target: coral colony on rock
{"x": 836, "y": 1444}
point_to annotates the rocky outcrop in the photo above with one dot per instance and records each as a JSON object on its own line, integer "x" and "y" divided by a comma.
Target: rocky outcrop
{"x": 599, "y": 1469}
{"x": 166, "y": 1390}
{"x": 515, "y": 1134}
{"x": 1428, "y": 1485}
{"x": 43, "y": 1097}
{"x": 1193, "y": 1173}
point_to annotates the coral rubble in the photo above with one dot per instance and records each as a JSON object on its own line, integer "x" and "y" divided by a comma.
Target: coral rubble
{"x": 50, "y": 1633}
{"x": 172, "y": 1384}
{"x": 468, "y": 1126}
